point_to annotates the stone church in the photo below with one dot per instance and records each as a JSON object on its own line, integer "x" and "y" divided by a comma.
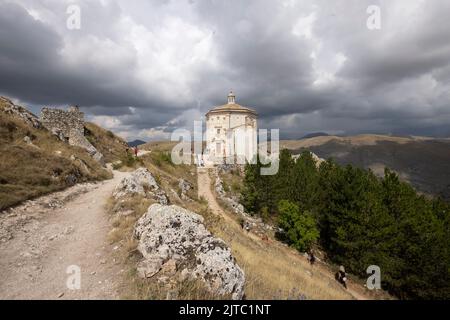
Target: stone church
{"x": 231, "y": 133}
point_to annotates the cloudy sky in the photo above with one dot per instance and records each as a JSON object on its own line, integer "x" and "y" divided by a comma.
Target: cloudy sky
{"x": 143, "y": 68}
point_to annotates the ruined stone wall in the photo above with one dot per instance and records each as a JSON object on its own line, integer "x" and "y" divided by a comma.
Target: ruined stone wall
{"x": 69, "y": 126}
{"x": 67, "y": 123}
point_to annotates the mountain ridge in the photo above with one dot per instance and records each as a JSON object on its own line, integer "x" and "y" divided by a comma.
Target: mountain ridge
{"x": 422, "y": 161}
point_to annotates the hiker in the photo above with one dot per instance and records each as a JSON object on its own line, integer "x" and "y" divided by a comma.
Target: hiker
{"x": 245, "y": 225}
{"x": 341, "y": 276}
{"x": 202, "y": 162}
{"x": 311, "y": 257}
{"x": 136, "y": 151}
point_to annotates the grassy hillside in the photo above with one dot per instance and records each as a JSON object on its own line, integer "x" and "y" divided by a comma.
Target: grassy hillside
{"x": 28, "y": 170}
{"x": 163, "y": 146}
{"x": 359, "y": 220}
{"x": 273, "y": 270}
{"x": 111, "y": 146}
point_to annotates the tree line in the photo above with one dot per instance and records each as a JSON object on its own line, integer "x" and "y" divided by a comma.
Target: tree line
{"x": 359, "y": 220}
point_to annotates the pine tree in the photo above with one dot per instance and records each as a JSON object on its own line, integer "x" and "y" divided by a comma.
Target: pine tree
{"x": 305, "y": 182}
{"x": 362, "y": 220}
{"x": 300, "y": 227}
{"x": 250, "y": 193}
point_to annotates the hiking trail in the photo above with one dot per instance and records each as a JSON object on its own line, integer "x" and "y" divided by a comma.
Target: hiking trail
{"x": 42, "y": 238}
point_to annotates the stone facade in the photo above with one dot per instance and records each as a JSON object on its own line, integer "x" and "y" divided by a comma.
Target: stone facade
{"x": 231, "y": 133}
{"x": 69, "y": 126}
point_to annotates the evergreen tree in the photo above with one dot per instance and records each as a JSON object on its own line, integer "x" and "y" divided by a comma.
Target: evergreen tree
{"x": 305, "y": 182}
{"x": 363, "y": 220}
{"x": 282, "y": 181}
{"x": 250, "y": 193}
{"x": 300, "y": 227}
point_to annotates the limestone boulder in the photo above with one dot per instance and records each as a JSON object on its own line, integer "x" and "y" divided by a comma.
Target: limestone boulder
{"x": 140, "y": 182}
{"x": 173, "y": 238}
{"x": 185, "y": 186}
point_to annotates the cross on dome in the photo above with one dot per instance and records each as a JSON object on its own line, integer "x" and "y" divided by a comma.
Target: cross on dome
{"x": 231, "y": 98}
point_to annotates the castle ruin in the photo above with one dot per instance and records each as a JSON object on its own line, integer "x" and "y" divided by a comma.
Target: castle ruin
{"x": 68, "y": 126}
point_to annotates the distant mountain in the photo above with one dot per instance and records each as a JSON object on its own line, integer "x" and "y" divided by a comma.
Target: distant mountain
{"x": 315, "y": 134}
{"x": 423, "y": 161}
{"x": 136, "y": 143}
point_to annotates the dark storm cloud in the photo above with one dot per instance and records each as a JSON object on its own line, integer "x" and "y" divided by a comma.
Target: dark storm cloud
{"x": 33, "y": 70}
{"x": 304, "y": 65}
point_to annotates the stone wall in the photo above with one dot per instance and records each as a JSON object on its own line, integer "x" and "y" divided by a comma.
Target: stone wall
{"x": 66, "y": 123}
{"x": 69, "y": 126}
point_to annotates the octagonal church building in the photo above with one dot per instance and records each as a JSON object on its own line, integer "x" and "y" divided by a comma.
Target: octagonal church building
{"x": 231, "y": 133}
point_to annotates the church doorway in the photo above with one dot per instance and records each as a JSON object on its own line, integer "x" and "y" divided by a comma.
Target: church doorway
{"x": 218, "y": 148}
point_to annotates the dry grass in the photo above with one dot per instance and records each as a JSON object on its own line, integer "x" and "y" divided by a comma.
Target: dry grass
{"x": 134, "y": 287}
{"x": 164, "y": 146}
{"x": 232, "y": 182}
{"x": 111, "y": 146}
{"x": 152, "y": 289}
{"x": 28, "y": 171}
{"x": 135, "y": 207}
{"x": 272, "y": 270}
{"x": 159, "y": 160}
{"x": 359, "y": 140}
{"x": 169, "y": 175}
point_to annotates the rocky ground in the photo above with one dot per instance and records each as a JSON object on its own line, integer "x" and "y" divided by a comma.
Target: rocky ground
{"x": 174, "y": 244}
{"x": 41, "y": 239}
{"x": 173, "y": 239}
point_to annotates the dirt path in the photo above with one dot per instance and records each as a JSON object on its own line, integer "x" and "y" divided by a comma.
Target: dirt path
{"x": 204, "y": 190}
{"x": 142, "y": 153}
{"x": 42, "y": 238}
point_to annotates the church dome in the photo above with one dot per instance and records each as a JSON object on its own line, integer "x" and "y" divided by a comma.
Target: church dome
{"x": 231, "y": 106}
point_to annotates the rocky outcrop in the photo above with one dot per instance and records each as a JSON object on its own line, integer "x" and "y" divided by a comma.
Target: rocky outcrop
{"x": 140, "y": 182}
{"x": 21, "y": 112}
{"x": 175, "y": 240}
{"x": 29, "y": 142}
{"x": 231, "y": 202}
{"x": 315, "y": 157}
{"x": 248, "y": 222}
{"x": 80, "y": 163}
{"x": 185, "y": 187}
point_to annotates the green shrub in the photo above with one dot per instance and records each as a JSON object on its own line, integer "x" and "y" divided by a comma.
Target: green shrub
{"x": 300, "y": 227}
